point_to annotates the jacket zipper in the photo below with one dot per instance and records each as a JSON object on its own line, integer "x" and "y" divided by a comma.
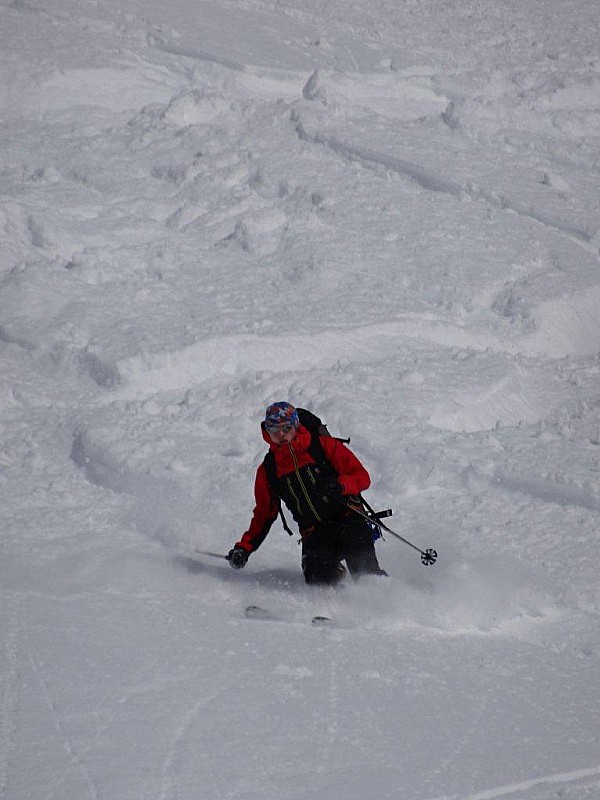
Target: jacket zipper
{"x": 302, "y": 486}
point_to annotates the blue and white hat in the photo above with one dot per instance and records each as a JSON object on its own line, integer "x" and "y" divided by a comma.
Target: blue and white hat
{"x": 281, "y": 414}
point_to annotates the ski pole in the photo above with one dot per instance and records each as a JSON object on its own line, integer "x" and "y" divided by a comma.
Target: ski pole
{"x": 428, "y": 556}
{"x": 208, "y": 553}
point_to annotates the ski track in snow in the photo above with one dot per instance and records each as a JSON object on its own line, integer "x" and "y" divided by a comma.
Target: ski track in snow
{"x": 288, "y": 85}
{"x": 169, "y": 769}
{"x": 426, "y": 179}
{"x": 247, "y": 353}
{"x": 433, "y": 181}
{"x": 8, "y": 684}
{"x": 159, "y": 196}
{"x": 74, "y": 759}
{"x": 243, "y": 354}
{"x": 587, "y": 778}
{"x": 548, "y": 491}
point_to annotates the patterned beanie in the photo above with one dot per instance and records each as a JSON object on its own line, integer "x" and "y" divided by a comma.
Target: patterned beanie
{"x": 281, "y": 414}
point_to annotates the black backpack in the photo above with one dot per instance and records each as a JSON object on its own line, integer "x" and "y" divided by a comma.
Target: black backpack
{"x": 316, "y": 428}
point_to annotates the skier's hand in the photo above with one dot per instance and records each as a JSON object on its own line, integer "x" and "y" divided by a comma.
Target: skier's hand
{"x": 237, "y": 557}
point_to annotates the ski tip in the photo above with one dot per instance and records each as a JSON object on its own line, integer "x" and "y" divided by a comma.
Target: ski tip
{"x": 258, "y": 612}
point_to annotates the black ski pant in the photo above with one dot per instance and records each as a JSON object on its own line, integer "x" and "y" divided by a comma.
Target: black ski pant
{"x": 347, "y": 538}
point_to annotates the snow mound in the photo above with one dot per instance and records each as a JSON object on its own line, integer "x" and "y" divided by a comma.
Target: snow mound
{"x": 195, "y": 108}
{"x": 568, "y": 325}
{"x": 386, "y": 94}
{"x": 113, "y": 88}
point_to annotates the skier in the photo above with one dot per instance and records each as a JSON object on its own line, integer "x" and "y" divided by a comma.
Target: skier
{"x": 315, "y": 475}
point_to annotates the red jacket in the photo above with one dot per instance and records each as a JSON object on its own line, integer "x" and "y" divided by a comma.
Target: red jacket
{"x": 290, "y": 456}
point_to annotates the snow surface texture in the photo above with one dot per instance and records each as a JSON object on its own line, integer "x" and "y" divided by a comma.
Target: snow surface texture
{"x": 385, "y": 212}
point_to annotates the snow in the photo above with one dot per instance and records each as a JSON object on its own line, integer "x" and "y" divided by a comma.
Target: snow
{"x": 387, "y": 213}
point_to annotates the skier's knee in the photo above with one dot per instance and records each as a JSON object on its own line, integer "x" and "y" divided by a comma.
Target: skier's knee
{"x": 319, "y": 569}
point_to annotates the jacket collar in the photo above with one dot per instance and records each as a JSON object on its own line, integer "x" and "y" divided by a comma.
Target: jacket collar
{"x": 301, "y": 441}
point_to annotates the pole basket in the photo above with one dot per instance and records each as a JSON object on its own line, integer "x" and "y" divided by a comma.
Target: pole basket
{"x": 429, "y": 556}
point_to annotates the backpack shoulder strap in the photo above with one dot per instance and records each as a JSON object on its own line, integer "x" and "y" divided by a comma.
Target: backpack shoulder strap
{"x": 271, "y": 473}
{"x": 315, "y": 448}
{"x": 269, "y": 465}
{"x": 318, "y": 454}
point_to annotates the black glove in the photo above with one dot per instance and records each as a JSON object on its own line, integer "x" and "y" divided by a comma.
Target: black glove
{"x": 237, "y": 557}
{"x": 331, "y": 487}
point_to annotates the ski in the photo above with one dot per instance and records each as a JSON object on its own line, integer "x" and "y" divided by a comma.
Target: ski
{"x": 259, "y": 612}
{"x": 319, "y": 621}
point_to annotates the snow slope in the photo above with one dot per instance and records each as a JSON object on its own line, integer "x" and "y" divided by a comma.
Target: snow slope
{"x": 387, "y": 213}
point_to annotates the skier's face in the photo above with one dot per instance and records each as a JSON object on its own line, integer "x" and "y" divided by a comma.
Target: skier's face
{"x": 282, "y": 433}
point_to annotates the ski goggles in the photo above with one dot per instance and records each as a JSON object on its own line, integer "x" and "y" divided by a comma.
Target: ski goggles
{"x": 285, "y": 428}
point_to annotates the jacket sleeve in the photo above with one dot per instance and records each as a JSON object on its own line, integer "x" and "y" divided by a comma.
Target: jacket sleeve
{"x": 352, "y": 475}
{"x": 264, "y": 515}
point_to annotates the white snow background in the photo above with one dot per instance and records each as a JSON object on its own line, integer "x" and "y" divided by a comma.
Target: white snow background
{"x": 386, "y": 212}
